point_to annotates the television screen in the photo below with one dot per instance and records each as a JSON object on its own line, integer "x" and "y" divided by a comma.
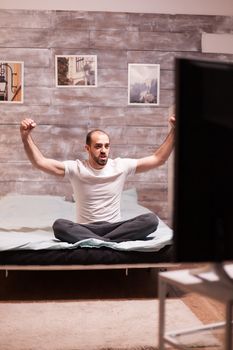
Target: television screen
{"x": 203, "y": 180}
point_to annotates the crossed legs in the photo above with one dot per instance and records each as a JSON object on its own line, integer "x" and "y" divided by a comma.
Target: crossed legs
{"x": 137, "y": 228}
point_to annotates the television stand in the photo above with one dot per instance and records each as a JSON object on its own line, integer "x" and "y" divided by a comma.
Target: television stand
{"x": 217, "y": 268}
{"x": 215, "y": 283}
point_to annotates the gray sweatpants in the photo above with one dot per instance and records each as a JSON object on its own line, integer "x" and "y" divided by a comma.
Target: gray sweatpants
{"x": 137, "y": 228}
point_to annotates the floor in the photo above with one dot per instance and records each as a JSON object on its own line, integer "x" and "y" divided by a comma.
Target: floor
{"x": 108, "y": 284}
{"x": 101, "y": 284}
{"x": 206, "y": 309}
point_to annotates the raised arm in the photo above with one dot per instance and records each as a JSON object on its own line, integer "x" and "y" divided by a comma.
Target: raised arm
{"x": 161, "y": 154}
{"x": 35, "y": 156}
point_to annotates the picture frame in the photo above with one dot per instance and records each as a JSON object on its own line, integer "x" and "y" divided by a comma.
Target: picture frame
{"x": 76, "y": 70}
{"x": 11, "y": 81}
{"x": 143, "y": 84}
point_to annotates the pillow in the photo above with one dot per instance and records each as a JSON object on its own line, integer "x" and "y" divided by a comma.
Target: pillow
{"x": 33, "y": 211}
{"x": 129, "y": 195}
{"x": 40, "y": 211}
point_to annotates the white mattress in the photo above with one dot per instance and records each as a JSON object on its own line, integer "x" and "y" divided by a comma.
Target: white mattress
{"x": 26, "y": 223}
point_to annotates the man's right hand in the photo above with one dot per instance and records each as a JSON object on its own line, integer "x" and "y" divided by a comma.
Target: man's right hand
{"x": 50, "y": 166}
{"x": 26, "y": 126}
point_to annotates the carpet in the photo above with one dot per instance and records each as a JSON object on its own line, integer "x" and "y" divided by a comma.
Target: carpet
{"x": 89, "y": 325}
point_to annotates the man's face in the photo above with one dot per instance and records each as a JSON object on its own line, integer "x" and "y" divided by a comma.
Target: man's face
{"x": 98, "y": 150}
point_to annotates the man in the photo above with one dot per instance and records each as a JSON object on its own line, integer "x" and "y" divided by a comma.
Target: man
{"x": 97, "y": 184}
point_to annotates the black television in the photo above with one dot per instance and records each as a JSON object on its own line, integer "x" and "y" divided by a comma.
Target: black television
{"x": 203, "y": 166}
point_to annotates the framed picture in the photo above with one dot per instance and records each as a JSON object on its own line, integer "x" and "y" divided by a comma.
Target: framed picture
{"x": 76, "y": 70}
{"x": 143, "y": 84}
{"x": 11, "y": 82}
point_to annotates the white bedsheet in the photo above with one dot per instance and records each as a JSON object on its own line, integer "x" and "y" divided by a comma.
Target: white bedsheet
{"x": 26, "y": 223}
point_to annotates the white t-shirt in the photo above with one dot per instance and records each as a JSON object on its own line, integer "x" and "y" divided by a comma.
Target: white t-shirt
{"x": 97, "y": 193}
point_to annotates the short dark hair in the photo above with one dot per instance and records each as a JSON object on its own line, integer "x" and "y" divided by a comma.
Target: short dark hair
{"x": 89, "y": 135}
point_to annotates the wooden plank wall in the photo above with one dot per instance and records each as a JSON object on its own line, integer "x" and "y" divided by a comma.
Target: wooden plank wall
{"x": 65, "y": 115}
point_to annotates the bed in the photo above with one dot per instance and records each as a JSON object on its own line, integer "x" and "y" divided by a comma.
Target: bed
{"x": 27, "y": 240}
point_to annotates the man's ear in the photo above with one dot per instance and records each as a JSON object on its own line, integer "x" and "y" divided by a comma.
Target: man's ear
{"x": 87, "y": 148}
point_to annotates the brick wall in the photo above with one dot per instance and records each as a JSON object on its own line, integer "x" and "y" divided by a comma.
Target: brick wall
{"x": 65, "y": 115}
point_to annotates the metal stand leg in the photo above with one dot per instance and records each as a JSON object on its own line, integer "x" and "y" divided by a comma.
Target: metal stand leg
{"x": 223, "y": 287}
{"x": 228, "y": 330}
{"x": 162, "y": 297}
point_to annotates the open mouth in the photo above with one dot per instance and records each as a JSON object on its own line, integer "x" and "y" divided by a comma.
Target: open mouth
{"x": 103, "y": 159}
